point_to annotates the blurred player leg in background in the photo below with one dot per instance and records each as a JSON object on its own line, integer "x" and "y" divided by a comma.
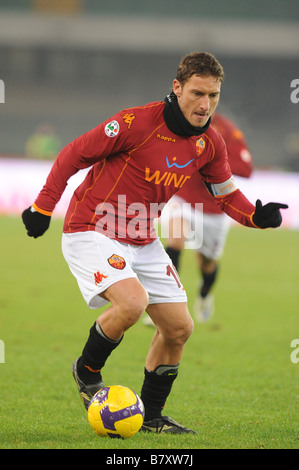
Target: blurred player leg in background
{"x": 215, "y": 230}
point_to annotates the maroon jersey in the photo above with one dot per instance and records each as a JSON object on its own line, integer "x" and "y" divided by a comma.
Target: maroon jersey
{"x": 137, "y": 164}
{"x": 240, "y": 161}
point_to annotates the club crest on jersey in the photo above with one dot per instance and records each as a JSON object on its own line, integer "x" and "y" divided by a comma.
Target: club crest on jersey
{"x": 112, "y": 129}
{"x": 200, "y": 146}
{"x": 117, "y": 262}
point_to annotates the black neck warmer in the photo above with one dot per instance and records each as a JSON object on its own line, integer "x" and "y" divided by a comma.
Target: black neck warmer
{"x": 176, "y": 121}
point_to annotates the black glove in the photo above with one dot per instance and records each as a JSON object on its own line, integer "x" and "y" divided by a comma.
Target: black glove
{"x": 268, "y": 215}
{"x": 35, "y": 222}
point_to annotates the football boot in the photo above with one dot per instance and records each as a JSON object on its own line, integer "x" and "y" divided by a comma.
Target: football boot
{"x": 204, "y": 308}
{"x": 86, "y": 392}
{"x": 165, "y": 425}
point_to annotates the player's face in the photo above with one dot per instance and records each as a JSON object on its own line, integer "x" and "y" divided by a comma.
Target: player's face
{"x": 198, "y": 98}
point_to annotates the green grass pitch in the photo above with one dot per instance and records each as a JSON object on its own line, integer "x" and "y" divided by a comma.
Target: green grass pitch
{"x": 237, "y": 385}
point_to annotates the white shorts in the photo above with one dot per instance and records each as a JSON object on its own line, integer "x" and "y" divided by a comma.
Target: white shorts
{"x": 215, "y": 230}
{"x": 97, "y": 262}
{"x": 210, "y": 230}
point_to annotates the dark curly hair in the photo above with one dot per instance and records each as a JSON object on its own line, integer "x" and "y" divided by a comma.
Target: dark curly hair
{"x": 199, "y": 63}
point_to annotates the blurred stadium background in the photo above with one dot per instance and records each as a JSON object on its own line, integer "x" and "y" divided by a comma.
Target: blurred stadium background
{"x": 69, "y": 64}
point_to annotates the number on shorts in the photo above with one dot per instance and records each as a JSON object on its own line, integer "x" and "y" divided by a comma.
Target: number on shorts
{"x": 170, "y": 271}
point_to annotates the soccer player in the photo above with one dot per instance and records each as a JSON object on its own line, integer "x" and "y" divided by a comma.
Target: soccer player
{"x": 215, "y": 223}
{"x": 139, "y": 158}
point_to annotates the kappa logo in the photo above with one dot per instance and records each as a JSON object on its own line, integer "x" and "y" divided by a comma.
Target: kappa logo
{"x": 117, "y": 262}
{"x": 128, "y": 118}
{"x": 98, "y": 277}
{"x": 112, "y": 129}
{"x": 164, "y": 137}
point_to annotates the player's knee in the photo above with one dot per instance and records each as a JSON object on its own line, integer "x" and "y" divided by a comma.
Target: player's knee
{"x": 180, "y": 333}
{"x": 187, "y": 330}
{"x": 131, "y": 309}
{"x": 128, "y": 300}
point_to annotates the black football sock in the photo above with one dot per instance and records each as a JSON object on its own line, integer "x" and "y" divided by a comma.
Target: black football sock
{"x": 156, "y": 388}
{"x": 174, "y": 255}
{"x": 94, "y": 355}
{"x": 208, "y": 281}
